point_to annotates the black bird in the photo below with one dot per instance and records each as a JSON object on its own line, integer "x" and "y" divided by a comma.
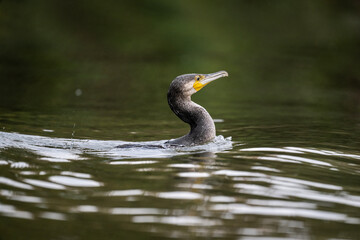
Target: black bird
{"x": 202, "y": 127}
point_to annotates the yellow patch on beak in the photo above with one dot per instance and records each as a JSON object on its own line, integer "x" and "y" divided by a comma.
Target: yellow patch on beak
{"x": 203, "y": 80}
{"x": 198, "y": 84}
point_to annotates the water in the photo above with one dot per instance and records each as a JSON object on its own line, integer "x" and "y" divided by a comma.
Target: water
{"x": 280, "y": 175}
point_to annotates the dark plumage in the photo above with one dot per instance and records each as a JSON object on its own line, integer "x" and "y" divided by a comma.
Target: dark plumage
{"x": 202, "y": 127}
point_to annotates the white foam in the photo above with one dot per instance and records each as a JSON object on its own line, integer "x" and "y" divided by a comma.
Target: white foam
{"x": 67, "y": 149}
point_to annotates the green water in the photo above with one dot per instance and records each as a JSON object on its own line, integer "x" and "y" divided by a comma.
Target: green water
{"x": 78, "y": 79}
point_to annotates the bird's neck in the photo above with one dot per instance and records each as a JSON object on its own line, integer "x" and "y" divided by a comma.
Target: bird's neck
{"x": 200, "y": 121}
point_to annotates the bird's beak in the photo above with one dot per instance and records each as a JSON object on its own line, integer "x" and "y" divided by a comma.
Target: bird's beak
{"x": 207, "y": 78}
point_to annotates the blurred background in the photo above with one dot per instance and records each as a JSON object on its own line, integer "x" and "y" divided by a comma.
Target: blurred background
{"x": 122, "y": 55}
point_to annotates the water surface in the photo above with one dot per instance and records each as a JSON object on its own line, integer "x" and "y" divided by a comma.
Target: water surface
{"x": 277, "y": 177}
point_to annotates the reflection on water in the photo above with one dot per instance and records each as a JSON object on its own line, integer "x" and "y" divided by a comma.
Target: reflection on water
{"x": 256, "y": 192}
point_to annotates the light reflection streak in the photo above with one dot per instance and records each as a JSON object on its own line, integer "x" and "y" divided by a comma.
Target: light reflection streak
{"x": 262, "y": 168}
{"x": 179, "y": 195}
{"x": 277, "y": 191}
{"x": 236, "y": 208}
{"x": 76, "y": 174}
{"x": 136, "y": 211}
{"x": 29, "y": 199}
{"x": 3, "y": 162}
{"x": 194, "y": 186}
{"x": 184, "y": 165}
{"x": 132, "y": 162}
{"x": 275, "y": 159}
{"x": 291, "y": 182}
{"x": 299, "y": 150}
{"x": 177, "y": 220}
{"x": 85, "y": 209}
{"x": 44, "y": 184}
{"x": 13, "y": 183}
{"x": 324, "y": 152}
{"x": 125, "y": 193}
{"x": 53, "y": 216}
{"x": 281, "y": 203}
{"x": 269, "y": 149}
{"x": 234, "y": 173}
{"x": 20, "y": 196}
{"x": 194, "y": 174}
{"x": 74, "y": 182}
{"x": 222, "y": 199}
{"x": 11, "y": 211}
{"x": 19, "y": 165}
{"x": 305, "y": 160}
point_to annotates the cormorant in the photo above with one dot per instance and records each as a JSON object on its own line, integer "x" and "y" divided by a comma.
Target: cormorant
{"x": 202, "y": 127}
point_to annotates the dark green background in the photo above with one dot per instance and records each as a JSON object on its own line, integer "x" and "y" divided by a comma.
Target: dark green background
{"x": 125, "y": 53}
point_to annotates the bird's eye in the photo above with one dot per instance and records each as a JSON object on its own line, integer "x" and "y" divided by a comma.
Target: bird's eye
{"x": 197, "y": 78}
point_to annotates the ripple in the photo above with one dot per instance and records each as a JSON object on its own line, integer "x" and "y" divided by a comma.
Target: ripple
{"x": 44, "y": 184}
{"x": 184, "y": 165}
{"x": 85, "y": 209}
{"x": 234, "y": 173}
{"x": 53, "y": 216}
{"x": 3, "y": 162}
{"x": 288, "y": 159}
{"x": 194, "y": 186}
{"x": 308, "y": 183}
{"x": 147, "y": 169}
{"x": 56, "y": 154}
{"x": 48, "y": 130}
{"x": 275, "y": 159}
{"x": 125, "y": 193}
{"x": 284, "y": 212}
{"x": 20, "y": 197}
{"x": 136, "y": 211}
{"x": 74, "y": 182}
{"x": 19, "y": 165}
{"x": 13, "y": 183}
{"x": 345, "y": 199}
{"x": 132, "y": 162}
{"x": 27, "y": 173}
{"x": 11, "y": 211}
{"x": 269, "y": 149}
{"x": 291, "y": 182}
{"x": 177, "y": 220}
{"x": 283, "y": 191}
{"x": 194, "y": 174}
{"x": 280, "y": 203}
{"x": 29, "y": 199}
{"x": 304, "y": 160}
{"x": 179, "y": 195}
{"x": 222, "y": 199}
{"x": 300, "y": 150}
{"x": 75, "y": 174}
{"x": 55, "y": 160}
{"x": 261, "y": 168}
{"x": 325, "y": 152}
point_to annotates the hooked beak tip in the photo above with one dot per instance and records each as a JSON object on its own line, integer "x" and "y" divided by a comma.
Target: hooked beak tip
{"x": 219, "y": 74}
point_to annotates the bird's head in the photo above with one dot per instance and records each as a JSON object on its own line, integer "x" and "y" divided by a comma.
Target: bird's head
{"x": 188, "y": 84}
